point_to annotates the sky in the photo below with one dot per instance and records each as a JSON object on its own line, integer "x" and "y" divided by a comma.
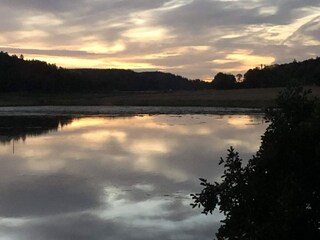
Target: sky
{"x": 192, "y": 38}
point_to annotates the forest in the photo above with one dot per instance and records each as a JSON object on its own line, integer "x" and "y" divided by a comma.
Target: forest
{"x": 305, "y": 73}
{"x": 20, "y": 75}
{"x": 17, "y": 74}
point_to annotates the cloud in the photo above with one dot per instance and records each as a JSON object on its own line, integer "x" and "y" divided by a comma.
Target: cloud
{"x": 78, "y": 227}
{"x": 63, "y": 53}
{"x": 89, "y": 226}
{"x": 307, "y": 35}
{"x": 46, "y": 5}
{"x": 30, "y": 196}
{"x": 143, "y": 34}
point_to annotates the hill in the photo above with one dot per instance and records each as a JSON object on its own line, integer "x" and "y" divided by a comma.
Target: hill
{"x": 33, "y": 76}
{"x": 279, "y": 75}
{"x": 306, "y": 73}
{"x": 17, "y": 74}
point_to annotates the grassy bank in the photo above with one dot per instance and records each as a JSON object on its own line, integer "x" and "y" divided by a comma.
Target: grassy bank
{"x": 258, "y": 98}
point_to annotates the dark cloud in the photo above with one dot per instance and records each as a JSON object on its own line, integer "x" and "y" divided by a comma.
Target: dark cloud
{"x": 294, "y": 4}
{"x": 79, "y": 227}
{"x": 88, "y": 226}
{"x": 176, "y": 211}
{"x": 306, "y": 33}
{"x": 208, "y": 22}
{"x": 44, "y": 5}
{"x": 28, "y": 196}
{"x": 204, "y": 16}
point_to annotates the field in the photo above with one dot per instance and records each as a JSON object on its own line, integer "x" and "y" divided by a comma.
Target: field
{"x": 259, "y": 98}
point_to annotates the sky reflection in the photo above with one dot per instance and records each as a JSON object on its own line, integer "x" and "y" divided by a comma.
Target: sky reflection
{"x": 118, "y": 178}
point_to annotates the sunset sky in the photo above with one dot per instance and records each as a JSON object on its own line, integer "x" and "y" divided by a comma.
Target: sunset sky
{"x": 193, "y": 38}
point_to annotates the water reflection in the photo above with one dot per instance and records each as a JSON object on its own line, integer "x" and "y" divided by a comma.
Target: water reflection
{"x": 21, "y": 127}
{"x": 115, "y": 178}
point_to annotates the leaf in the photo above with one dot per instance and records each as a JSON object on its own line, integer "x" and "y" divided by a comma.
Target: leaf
{"x": 203, "y": 180}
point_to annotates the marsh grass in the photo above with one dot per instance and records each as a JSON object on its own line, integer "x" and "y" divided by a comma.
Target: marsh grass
{"x": 258, "y": 98}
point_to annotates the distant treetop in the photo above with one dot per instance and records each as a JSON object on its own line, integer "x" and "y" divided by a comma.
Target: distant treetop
{"x": 18, "y": 74}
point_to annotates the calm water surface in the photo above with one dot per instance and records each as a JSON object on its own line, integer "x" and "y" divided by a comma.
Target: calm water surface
{"x": 114, "y": 177}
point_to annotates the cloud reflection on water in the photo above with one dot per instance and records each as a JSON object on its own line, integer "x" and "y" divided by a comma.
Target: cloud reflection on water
{"x": 118, "y": 178}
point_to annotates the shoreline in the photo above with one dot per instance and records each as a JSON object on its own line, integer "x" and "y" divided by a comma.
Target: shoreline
{"x": 237, "y": 98}
{"x": 78, "y": 111}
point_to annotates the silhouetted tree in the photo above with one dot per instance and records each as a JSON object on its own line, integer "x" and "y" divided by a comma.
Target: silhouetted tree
{"x": 17, "y": 74}
{"x": 224, "y": 81}
{"x": 280, "y": 75}
{"x": 276, "y": 195}
{"x": 239, "y": 77}
{"x": 21, "y": 127}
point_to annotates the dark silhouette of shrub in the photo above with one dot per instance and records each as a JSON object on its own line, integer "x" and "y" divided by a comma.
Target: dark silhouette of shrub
{"x": 276, "y": 195}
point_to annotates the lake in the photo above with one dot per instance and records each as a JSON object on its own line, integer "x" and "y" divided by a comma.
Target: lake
{"x": 105, "y": 174}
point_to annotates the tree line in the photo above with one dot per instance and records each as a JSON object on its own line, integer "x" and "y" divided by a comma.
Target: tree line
{"x": 18, "y": 74}
{"x": 20, "y": 127}
{"x": 278, "y": 75}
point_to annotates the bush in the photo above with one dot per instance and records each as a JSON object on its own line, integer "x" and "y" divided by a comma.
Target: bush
{"x": 277, "y": 194}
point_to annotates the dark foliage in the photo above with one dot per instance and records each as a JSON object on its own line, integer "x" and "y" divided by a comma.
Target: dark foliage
{"x": 307, "y": 72}
{"x": 276, "y": 195}
{"x": 17, "y": 74}
{"x": 224, "y": 81}
{"x": 21, "y": 127}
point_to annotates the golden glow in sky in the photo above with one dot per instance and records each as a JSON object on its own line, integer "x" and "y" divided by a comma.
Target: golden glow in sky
{"x": 193, "y": 38}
